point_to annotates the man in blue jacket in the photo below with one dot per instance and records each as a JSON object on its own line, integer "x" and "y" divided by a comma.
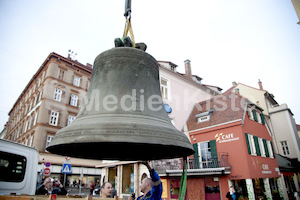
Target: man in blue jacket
{"x": 151, "y": 187}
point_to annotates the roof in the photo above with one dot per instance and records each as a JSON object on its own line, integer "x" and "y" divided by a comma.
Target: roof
{"x": 298, "y": 127}
{"x": 228, "y": 106}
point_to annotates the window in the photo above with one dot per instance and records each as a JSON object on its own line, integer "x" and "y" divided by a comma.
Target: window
{"x": 35, "y": 118}
{"x": 31, "y": 141}
{"x": 40, "y": 95}
{"x": 53, "y": 118}
{"x": 12, "y": 167}
{"x": 71, "y": 119}
{"x": 128, "y": 179}
{"x": 270, "y": 148}
{"x": 250, "y": 144}
{"x": 164, "y": 88}
{"x": 49, "y": 139}
{"x": 57, "y": 94}
{"x": 285, "y": 148}
{"x": 204, "y": 116}
{"x": 259, "y": 146}
{"x": 262, "y": 149}
{"x": 262, "y": 117}
{"x": 256, "y": 116}
{"x": 203, "y": 119}
{"x": 250, "y": 114}
{"x": 206, "y": 154}
{"x": 76, "y": 81}
{"x": 61, "y": 74}
{"x": 74, "y": 100}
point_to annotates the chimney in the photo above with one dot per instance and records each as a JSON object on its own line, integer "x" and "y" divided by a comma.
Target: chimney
{"x": 234, "y": 83}
{"x": 89, "y": 65}
{"x": 260, "y": 85}
{"x": 188, "y": 70}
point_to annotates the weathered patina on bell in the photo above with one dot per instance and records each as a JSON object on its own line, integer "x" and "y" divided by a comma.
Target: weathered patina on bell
{"x": 124, "y": 117}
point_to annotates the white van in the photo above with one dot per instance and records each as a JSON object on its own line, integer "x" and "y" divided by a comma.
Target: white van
{"x": 18, "y": 168}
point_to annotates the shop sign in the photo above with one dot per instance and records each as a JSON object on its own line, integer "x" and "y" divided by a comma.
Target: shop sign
{"x": 265, "y": 169}
{"x": 221, "y": 137}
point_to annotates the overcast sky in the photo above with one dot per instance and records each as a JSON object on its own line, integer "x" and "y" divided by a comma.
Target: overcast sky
{"x": 226, "y": 40}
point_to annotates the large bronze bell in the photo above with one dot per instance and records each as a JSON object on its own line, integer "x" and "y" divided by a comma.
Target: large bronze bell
{"x": 124, "y": 117}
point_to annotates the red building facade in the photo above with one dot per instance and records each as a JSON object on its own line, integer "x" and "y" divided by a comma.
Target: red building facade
{"x": 230, "y": 136}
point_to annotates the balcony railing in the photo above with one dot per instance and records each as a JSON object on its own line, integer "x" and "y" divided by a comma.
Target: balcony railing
{"x": 210, "y": 164}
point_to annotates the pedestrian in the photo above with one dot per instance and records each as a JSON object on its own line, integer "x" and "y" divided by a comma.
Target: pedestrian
{"x": 51, "y": 186}
{"x": 92, "y": 187}
{"x": 106, "y": 190}
{"x": 232, "y": 194}
{"x": 151, "y": 187}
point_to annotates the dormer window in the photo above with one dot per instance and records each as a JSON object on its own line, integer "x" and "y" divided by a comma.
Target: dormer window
{"x": 256, "y": 115}
{"x": 205, "y": 116}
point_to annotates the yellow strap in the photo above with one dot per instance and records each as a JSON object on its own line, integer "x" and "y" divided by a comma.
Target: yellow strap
{"x": 129, "y": 28}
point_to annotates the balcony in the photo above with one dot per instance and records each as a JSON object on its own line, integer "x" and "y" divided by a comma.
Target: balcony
{"x": 205, "y": 166}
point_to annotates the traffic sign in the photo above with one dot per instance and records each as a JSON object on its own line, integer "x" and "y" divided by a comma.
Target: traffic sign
{"x": 48, "y": 164}
{"x": 66, "y": 168}
{"x": 47, "y": 171}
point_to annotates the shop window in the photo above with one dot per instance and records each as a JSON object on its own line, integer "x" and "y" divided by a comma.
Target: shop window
{"x": 212, "y": 188}
{"x": 128, "y": 179}
{"x": 112, "y": 174}
{"x": 174, "y": 188}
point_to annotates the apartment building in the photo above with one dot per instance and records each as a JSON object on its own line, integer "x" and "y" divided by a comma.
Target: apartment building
{"x": 51, "y": 100}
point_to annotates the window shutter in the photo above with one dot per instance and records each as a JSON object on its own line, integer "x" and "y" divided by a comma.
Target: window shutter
{"x": 248, "y": 143}
{"x": 214, "y": 153}
{"x": 257, "y": 146}
{"x": 272, "y": 148}
{"x": 254, "y": 115}
{"x": 196, "y": 155}
{"x": 266, "y": 148}
{"x": 262, "y": 118}
{"x": 213, "y": 149}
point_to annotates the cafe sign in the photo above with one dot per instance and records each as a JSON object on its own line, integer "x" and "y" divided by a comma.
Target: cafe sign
{"x": 221, "y": 137}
